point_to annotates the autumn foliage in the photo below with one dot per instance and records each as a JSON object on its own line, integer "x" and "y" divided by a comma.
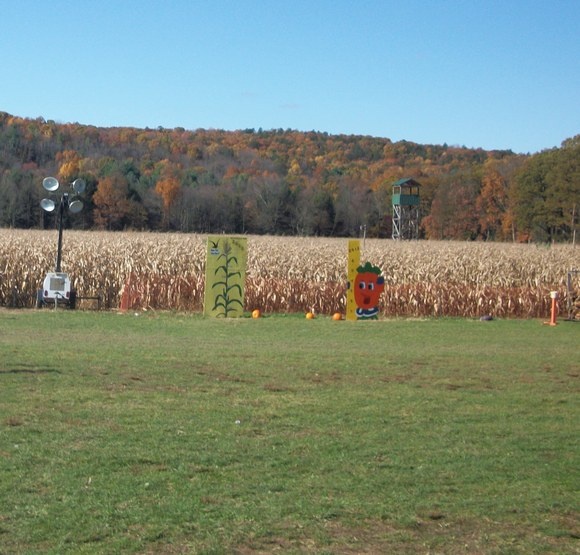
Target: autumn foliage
{"x": 283, "y": 182}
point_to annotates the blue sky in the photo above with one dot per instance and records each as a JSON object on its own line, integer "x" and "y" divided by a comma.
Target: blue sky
{"x": 493, "y": 74}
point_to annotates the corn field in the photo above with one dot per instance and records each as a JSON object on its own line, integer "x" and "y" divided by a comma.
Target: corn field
{"x": 166, "y": 272}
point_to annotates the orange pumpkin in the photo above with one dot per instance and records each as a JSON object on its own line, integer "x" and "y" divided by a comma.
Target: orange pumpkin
{"x": 256, "y": 313}
{"x": 310, "y": 316}
{"x": 337, "y": 316}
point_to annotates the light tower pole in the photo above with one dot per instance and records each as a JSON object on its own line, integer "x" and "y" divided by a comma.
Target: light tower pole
{"x": 57, "y": 286}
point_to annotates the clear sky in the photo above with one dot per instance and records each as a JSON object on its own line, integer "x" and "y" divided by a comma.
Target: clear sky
{"x": 495, "y": 74}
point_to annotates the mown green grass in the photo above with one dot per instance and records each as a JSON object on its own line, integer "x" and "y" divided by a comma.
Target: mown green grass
{"x": 172, "y": 433}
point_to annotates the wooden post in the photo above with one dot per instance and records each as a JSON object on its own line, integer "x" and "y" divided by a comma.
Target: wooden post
{"x": 353, "y": 264}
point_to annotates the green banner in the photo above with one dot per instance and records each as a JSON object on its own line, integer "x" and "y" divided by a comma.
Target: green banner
{"x": 225, "y": 276}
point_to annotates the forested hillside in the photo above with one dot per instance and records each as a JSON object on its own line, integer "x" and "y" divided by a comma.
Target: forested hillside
{"x": 283, "y": 182}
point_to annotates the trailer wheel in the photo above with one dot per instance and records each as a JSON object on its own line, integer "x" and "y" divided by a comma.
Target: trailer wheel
{"x": 39, "y": 301}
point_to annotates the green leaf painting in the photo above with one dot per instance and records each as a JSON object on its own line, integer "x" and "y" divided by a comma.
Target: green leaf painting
{"x": 225, "y": 276}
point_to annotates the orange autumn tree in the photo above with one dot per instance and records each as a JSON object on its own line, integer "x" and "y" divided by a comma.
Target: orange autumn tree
{"x": 494, "y": 206}
{"x": 491, "y": 203}
{"x": 169, "y": 190}
{"x": 114, "y": 207}
{"x": 69, "y": 165}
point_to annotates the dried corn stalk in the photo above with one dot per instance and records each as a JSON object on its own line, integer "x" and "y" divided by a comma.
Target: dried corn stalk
{"x": 166, "y": 271}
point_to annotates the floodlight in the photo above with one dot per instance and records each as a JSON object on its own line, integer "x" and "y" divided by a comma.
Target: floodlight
{"x": 75, "y": 206}
{"x": 47, "y": 205}
{"x": 50, "y": 183}
{"x": 79, "y": 186}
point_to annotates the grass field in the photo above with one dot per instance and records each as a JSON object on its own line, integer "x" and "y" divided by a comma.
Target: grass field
{"x": 171, "y": 433}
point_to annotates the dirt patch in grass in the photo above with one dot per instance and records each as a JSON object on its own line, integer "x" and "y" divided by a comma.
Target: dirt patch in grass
{"x": 323, "y": 378}
{"x": 277, "y": 388}
{"x": 431, "y": 532}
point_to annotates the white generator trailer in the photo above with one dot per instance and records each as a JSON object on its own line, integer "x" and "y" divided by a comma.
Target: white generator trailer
{"x": 56, "y": 290}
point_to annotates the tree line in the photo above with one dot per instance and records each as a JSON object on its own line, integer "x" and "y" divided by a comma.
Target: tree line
{"x": 283, "y": 182}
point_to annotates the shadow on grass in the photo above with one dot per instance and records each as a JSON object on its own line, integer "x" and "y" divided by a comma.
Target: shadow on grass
{"x": 30, "y": 370}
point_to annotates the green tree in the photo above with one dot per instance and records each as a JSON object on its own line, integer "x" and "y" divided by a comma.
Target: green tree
{"x": 19, "y": 199}
{"x": 565, "y": 186}
{"x": 547, "y": 194}
{"x": 530, "y": 195}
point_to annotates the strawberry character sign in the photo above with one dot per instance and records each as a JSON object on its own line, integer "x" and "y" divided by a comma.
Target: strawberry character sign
{"x": 368, "y": 286}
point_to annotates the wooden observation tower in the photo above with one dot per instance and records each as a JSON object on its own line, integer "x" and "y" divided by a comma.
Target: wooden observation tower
{"x": 406, "y": 209}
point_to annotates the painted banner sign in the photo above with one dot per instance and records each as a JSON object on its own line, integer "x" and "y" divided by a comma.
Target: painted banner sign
{"x": 368, "y": 286}
{"x": 225, "y": 276}
{"x": 364, "y": 288}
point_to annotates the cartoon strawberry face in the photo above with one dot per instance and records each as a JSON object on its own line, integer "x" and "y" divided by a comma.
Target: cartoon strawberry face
{"x": 368, "y": 286}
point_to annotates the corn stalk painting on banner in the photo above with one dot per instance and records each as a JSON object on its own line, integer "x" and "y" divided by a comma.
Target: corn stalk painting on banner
{"x": 225, "y": 276}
